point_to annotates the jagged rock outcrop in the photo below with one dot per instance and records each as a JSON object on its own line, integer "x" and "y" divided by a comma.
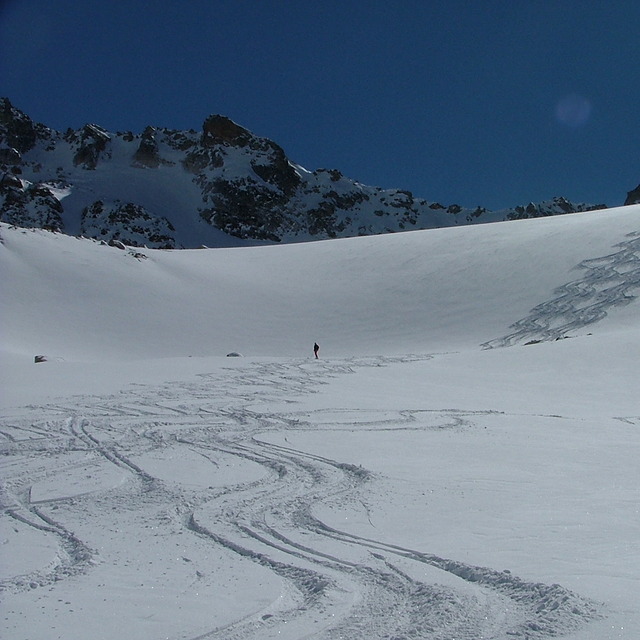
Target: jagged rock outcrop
{"x": 148, "y": 152}
{"x": 10, "y": 156}
{"x": 34, "y": 206}
{"x": 554, "y": 207}
{"x": 633, "y": 196}
{"x": 10, "y": 180}
{"x": 128, "y": 223}
{"x": 218, "y": 186}
{"x": 253, "y": 204}
{"x": 90, "y": 143}
{"x": 219, "y": 129}
{"x": 17, "y": 129}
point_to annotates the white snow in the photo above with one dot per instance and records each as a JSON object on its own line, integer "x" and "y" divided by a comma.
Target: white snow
{"x": 411, "y": 483}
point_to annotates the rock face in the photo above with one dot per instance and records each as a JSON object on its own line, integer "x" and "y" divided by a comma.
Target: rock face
{"x": 127, "y": 223}
{"x": 148, "y": 153}
{"x": 19, "y": 131}
{"x": 32, "y": 206}
{"x": 219, "y": 129}
{"x": 252, "y": 203}
{"x": 633, "y": 197}
{"x": 554, "y": 207}
{"x": 218, "y": 187}
{"x": 90, "y": 145}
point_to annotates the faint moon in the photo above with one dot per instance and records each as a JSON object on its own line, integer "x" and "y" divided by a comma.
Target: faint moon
{"x": 573, "y": 111}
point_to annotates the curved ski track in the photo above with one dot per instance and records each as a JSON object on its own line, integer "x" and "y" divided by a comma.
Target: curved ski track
{"x": 607, "y": 282}
{"x": 336, "y": 585}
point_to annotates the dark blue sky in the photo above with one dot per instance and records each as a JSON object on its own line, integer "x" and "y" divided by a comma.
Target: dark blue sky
{"x": 479, "y": 103}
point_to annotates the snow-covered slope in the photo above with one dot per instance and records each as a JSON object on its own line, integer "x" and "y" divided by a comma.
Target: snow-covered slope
{"x": 432, "y": 475}
{"x": 422, "y": 291}
{"x": 222, "y": 186}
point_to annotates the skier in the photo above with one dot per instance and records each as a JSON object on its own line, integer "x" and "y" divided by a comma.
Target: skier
{"x": 316, "y": 348}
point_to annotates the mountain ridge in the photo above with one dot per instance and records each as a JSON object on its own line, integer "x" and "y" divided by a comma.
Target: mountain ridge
{"x": 222, "y": 186}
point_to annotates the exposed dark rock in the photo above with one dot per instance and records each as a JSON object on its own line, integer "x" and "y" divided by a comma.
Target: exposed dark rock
{"x": 557, "y": 206}
{"x": 147, "y": 154}
{"x": 117, "y": 244}
{"x": 91, "y": 142}
{"x": 128, "y": 223}
{"x": 476, "y": 213}
{"x": 10, "y": 180}
{"x": 9, "y": 155}
{"x": 276, "y": 170}
{"x": 17, "y": 129}
{"x": 219, "y": 129}
{"x": 564, "y": 205}
{"x": 199, "y": 159}
{"x": 34, "y": 207}
{"x": 180, "y": 140}
{"x": 633, "y": 197}
{"x": 244, "y": 209}
{"x": 323, "y": 220}
{"x": 334, "y": 174}
{"x": 346, "y": 200}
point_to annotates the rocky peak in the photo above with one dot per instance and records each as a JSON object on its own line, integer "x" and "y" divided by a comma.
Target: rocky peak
{"x": 237, "y": 183}
{"x": 250, "y": 203}
{"x": 633, "y": 197}
{"x": 16, "y": 128}
{"x": 557, "y": 206}
{"x": 219, "y": 129}
{"x": 91, "y": 142}
{"x": 33, "y": 206}
{"x": 147, "y": 154}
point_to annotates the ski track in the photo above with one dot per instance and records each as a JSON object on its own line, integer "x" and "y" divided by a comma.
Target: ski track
{"x": 608, "y": 281}
{"x": 337, "y": 585}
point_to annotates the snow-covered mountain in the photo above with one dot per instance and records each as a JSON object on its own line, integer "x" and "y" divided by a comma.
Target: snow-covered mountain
{"x": 459, "y": 463}
{"x": 221, "y": 186}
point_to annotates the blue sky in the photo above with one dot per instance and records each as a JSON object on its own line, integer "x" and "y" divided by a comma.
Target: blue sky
{"x": 492, "y": 103}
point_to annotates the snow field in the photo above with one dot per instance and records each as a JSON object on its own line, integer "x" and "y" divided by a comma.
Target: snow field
{"x": 409, "y": 484}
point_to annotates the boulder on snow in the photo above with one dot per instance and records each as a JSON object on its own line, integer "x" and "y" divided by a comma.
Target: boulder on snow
{"x": 117, "y": 244}
{"x": 234, "y": 354}
{"x": 41, "y": 358}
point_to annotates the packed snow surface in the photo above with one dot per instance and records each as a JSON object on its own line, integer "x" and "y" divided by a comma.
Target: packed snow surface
{"x": 461, "y": 462}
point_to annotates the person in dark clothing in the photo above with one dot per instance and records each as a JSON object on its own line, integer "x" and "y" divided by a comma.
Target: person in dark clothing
{"x": 316, "y": 348}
